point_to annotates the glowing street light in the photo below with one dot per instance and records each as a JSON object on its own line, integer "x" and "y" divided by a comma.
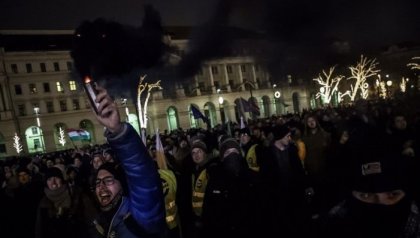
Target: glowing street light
{"x": 38, "y": 121}
{"x": 222, "y": 110}
{"x": 221, "y": 100}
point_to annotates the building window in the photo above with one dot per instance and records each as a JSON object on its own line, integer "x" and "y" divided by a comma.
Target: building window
{"x": 214, "y": 70}
{"x": 43, "y": 67}
{"x": 18, "y": 89}
{"x": 69, "y": 66}
{"x": 46, "y": 87}
{"x": 34, "y": 131}
{"x": 56, "y": 66}
{"x": 50, "y": 106}
{"x": 37, "y": 143}
{"x": 76, "y": 104}
{"x": 243, "y": 68}
{"x": 63, "y": 105}
{"x": 72, "y": 84}
{"x": 35, "y": 105}
{"x": 60, "y": 88}
{"x": 32, "y": 88}
{"x": 3, "y": 148}
{"x": 229, "y": 69}
{"x": 200, "y": 71}
{"x": 21, "y": 110}
{"x": 231, "y": 83}
{"x": 257, "y": 68}
{"x": 28, "y": 68}
{"x": 14, "y": 68}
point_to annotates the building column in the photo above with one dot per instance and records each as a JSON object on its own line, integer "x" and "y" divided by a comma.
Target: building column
{"x": 213, "y": 89}
{"x": 254, "y": 77}
{"x": 2, "y": 98}
{"x": 197, "y": 85}
{"x": 241, "y": 80}
{"x": 226, "y": 77}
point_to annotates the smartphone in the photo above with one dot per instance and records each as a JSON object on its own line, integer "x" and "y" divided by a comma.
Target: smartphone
{"x": 90, "y": 88}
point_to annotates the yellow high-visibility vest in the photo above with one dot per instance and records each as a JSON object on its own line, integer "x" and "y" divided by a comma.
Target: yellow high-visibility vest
{"x": 169, "y": 191}
{"x": 198, "y": 192}
{"x": 251, "y": 158}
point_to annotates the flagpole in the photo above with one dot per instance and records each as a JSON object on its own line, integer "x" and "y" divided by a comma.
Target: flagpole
{"x": 72, "y": 142}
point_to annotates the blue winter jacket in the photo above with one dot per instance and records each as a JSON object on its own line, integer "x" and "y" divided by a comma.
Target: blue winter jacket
{"x": 142, "y": 212}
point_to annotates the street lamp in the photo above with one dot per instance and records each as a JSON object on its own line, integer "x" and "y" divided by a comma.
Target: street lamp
{"x": 38, "y": 121}
{"x": 222, "y": 110}
{"x": 388, "y": 84}
{"x": 277, "y": 96}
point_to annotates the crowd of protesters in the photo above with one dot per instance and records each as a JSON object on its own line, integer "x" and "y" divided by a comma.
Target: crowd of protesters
{"x": 334, "y": 172}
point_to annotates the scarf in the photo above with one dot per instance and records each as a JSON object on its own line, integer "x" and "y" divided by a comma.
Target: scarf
{"x": 60, "y": 197}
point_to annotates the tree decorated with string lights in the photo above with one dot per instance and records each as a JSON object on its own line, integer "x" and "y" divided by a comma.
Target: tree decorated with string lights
{"x": 329, "y": 86}
{"x": 143, "y": 86}
{"x": 363, "y": 70}
{"x": 414, "y": 65}
{"x": 61, "y": 136}
{"x": 17, "y": 144}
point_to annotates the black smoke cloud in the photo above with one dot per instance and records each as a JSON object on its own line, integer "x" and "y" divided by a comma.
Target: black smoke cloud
{"x": 281, "y": 33}
{"x": 109, "y": 49}
{"x": 299, "y": 37}
{"x": 211, "y": 40}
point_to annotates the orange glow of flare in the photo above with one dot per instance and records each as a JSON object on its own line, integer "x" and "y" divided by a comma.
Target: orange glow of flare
{"x": 88, "y": 79}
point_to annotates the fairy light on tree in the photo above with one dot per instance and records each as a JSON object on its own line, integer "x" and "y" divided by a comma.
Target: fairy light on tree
{"x": 61, "y": 136}
{"x": 403, "y": 85}
{"x": 143, "y": 108}
{"x": 16, "y": 144}
{"x": 381, "y": 87}
{"x": 329, "y": 86}
{"x": 364, "y": 69}
{"x": 414, "y": 65}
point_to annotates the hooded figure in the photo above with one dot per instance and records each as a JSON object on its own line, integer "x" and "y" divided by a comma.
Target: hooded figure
{"x": 228, "y": 202}
{"x": 379, "y": 202}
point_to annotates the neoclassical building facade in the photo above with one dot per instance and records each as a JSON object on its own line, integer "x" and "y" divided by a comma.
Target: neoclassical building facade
{"x": 40, "y": 94}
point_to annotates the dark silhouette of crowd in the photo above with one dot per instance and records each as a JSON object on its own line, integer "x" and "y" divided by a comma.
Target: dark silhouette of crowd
{"x": 348, "y": 171}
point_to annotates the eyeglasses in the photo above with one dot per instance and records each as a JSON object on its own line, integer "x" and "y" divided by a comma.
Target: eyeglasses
{"x": 107, "y": 181}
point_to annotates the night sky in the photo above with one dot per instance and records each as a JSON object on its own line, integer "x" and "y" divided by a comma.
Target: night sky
{"x": 370, "y": 20}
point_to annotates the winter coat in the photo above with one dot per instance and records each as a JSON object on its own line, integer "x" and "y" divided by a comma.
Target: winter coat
{"x": 142, "y": 212}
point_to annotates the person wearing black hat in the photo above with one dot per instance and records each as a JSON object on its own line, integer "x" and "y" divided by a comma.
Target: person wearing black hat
{"x": 228, "y": 206}
{"x": 129, "y": 193}
{"x": 62, "y": 212}
{"x": 282, "y": 186}
{"x": 24, "y": 208}
{"x": 379, "y": 202}
{"x": 198, "y": 179}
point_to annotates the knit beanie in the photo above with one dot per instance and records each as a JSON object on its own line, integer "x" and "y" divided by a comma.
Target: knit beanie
{"x": 54, "y": 172}
{"x": 245, "y": 130}
{"x": 199, "y": 144}
{"x": 377, "y": 170}
{"x": 226, "y": 144}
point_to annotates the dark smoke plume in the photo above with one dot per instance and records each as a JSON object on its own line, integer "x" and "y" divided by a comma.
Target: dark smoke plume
{"x": 289, "y": 36}
{"x": 211, "y": 40}
{"x": 106, "y": 48}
